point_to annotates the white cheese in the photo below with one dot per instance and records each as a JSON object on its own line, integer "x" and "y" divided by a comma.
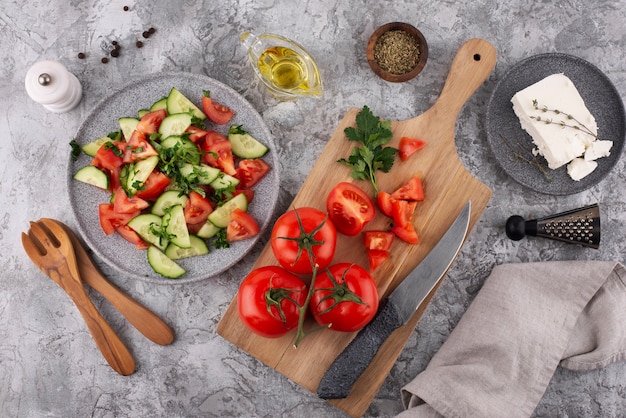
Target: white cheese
{"x": 544, "y": 110}
{"x": 579, "y": 168}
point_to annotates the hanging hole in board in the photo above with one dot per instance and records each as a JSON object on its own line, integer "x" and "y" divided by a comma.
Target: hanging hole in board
{"x": 476, "y": 57}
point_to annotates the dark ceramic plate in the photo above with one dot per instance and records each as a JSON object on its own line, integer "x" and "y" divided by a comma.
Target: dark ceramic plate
{"x": 504, "y": 132}
{"x": 84, "y": 199}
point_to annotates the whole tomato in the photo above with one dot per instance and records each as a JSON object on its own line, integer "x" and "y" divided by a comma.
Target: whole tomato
{"x": 299, "y": 231}
{"x": 344, "y": 296}
{"x": 268, "y": 301}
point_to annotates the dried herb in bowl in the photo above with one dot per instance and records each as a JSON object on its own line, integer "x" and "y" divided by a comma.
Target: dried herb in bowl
{"x": 397, "y": 52}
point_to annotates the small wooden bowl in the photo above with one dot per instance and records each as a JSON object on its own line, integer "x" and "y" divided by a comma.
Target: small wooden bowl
{"x": 411, "y": 30}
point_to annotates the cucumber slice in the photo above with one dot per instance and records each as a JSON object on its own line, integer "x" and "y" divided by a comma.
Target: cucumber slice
{"x": 145, "y": 225}
{"x": 200, "y": 174}
{"x": 159, "y": 104}
{"x": 224, "y": 181}
{"x": 163, "y": 265}
{"x": 197, "y": 247}
{"x": 92, "y": 147}
{"x": 246, "y": 146}
{"x": 176, "y": 226}
{"x": 142, "y": 112}
{"x": 220, "y": 217}
{"x": 178, "y": 103}
{"x": 128, "y": 126}
{"x": 167, "y": 200}
{"x": 208, "y": 230}
{"x": 94, "y": 176}
{"x": 139, "y": 173}
{"x": 175, "y": 124}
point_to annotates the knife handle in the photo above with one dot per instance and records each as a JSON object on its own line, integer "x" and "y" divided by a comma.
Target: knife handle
{"x": 354, "y": 359}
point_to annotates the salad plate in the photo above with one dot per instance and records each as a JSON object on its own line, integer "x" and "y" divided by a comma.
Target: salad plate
{"x": 512, "y": 146}
{"x": 84, "y": 198}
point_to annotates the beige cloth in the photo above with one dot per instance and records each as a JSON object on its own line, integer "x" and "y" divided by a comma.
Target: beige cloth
{"x": 527, "y": 319}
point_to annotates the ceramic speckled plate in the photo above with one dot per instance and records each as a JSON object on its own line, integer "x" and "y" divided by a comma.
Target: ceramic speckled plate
{"x": 504, "y": 132}
{"x": 85, "y": 199}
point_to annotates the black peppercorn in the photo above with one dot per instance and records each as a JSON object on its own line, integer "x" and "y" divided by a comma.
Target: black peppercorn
{"x": 145, "y": 34}
{"x": 151, "y": 31}
{"x": 138, "y": 44}
{"x": 125, "y": 8}
{"x": 104, "y": 60}
{"x": 81, "y": 55}
{"x": 115, "y": 53}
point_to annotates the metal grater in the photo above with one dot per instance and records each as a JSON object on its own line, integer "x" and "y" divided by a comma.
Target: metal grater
{"x": 578, "y": 226}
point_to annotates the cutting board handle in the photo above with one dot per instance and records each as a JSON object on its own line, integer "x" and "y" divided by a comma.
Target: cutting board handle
{"x": 470, "y": 68}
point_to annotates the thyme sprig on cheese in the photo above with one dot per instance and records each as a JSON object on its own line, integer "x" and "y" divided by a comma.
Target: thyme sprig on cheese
{"x": 577, "y": 125}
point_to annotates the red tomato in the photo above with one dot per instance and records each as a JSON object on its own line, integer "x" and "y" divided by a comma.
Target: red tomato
{"x": 154, "y": 186}
{"x": 149, "y": 123}
{"x": 131, "y": 236}
{"x": 241, "y": 226}
{"x": 111, "y": 220}
{"x": 406, "y": 233}
{"x": 216, "y": 112}
{"x": 376, "y": 258}
{"x": 250, "y": 172}
{"x": 109, "y": 155}
{"x": 268, "y": 301}
{"x": 124, "y": 204}
{"x": 408, "y": 146}
{"x": 138, "y": 147}
{"x": 378, "y": 240}
{"x": 402, "y": 212}
{"x": 218, "y": 152}
{"x": 196, "y": 134}
{"x": 297, "y": 229}
{"x": 197, "y": 208}
{"x": 344, "y": 296}
{"x": 411, "y": 190}
{"x": 350, "y": 208}
{"x": 385, "y": 203}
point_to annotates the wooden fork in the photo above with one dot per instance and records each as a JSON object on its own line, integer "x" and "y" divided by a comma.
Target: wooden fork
{"x": 50, "y": 248}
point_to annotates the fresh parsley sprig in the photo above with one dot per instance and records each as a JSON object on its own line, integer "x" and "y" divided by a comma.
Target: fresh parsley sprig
{"x": 373, "y": 134}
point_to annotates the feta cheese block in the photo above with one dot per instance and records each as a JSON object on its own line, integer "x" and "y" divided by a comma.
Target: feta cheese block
{"x": 544, "y": 110}
{"x": 580, "y": 167}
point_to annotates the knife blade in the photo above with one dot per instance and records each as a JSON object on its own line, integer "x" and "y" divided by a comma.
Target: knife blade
{"x": 394, "y": 311}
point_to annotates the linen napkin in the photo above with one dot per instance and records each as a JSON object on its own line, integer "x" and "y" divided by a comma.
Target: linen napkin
{"x": 527, "y": 319}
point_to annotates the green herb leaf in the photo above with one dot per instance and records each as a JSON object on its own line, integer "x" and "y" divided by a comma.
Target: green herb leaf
{"x": 76, "y": 149}
{"x": 371, "y": 155}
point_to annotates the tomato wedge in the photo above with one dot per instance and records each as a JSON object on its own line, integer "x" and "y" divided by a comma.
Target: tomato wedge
{"x": 149, "y": 123}
{"x": 124, "y": 204}
{"x": 197, "y": 208}
{"x": 408, "y": 146}
{"x": 411, "y": 190}
{"x": 131, "y": 236}
{"x": 402, "y": 212}
{"x": 241, "y": 226}
{"x": 406, "y": 233}
{"x": 349, "y": 208}
{"x": 218, "y": 152}
{"x": 138, "y": 148}
{"x": 216, "y": 112}
{"x": 109, "y": 155}
{"x": 154, "y": 186}
{"x": 250, "y": 172}
{"x": 378, "y": 240}
{"x": 111, "y": 220}
{"x": 196, "y": 134}
{"x": 376, "y": 258}
{"x": 385, "y": 203}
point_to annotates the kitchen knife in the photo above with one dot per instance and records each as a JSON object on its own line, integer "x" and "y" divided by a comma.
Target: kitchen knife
{"x": 394, "y": 311}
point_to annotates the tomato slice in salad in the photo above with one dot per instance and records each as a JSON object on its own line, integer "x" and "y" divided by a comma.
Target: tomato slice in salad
{"x": 154, "y": 186}
{"x": 251, "y": 171}
{"x": 197, "y": 208}
{"x": 241, "y": 226}
{"x": 196, "y": 134}
{"x": 349, "y": 208}
{"x": 111, "y": 220}
{"x": 218, "y": 152}
{"x": 150, "y": 122}
{"x": 124, "y": 204}
{"x": 131, "y": 236}
{"x": 216, "y": 112}
{"x": 109, "y": 155}
{"x": 408, "y": 146}
{"x": 138, "y": 148}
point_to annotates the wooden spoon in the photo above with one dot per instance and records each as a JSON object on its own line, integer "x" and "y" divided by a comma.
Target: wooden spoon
{"x": 50, "y": 248}
{"x": 146, "y": 321}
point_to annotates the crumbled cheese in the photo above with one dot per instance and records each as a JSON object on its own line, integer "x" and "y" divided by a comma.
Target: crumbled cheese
{"x": 579, "y": 168}
{"x": 558, "y": 144}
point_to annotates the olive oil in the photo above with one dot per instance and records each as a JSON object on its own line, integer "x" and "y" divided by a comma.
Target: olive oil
{"x": 285, "y": 67}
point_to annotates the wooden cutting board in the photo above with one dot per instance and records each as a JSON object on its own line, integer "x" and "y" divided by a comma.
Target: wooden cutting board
{"x": 447, "y": 187}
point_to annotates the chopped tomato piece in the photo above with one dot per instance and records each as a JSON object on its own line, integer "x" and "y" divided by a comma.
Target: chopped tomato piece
{"x": 408, "y": 146}
{"x": 114, "y": 179}
{"x": 378, "y": 240}
{"x": 349, "y": 208}
{"x": 111, "y": 220}
{"x": 218, "y": 152}
{"x": 109, "y": 155}
{"x": 216, "y": 112}
{"x": 412, "y": 190}
{"x": 241, "y": 226}
{"x": 197, "y": 208}
{"x": 385, "y": 203}
{"x": 124, "y": 204}
{"x": 196, "y": 134}
{"x": 250, "y": 172}
{"x": 131, "y": 236}
{"x": 150, "y": 122}
{"x": 402, "y": 212}
{"x": 376, "y": 258}
{"x": 406, "y": 233}
{"x": 154, "y": 186}
{"x": 138, "y": 148}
